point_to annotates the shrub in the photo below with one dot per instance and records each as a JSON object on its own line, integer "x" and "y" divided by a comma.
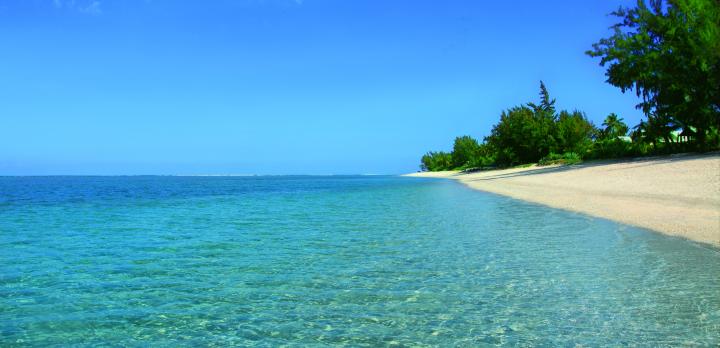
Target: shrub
{"x": 566, "y": 158}
{"x": 611, "y": 148}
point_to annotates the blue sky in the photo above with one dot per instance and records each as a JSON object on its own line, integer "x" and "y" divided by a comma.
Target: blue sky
{"x": 281, "y": 86}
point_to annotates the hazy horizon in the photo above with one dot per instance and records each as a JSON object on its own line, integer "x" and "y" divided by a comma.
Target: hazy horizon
{"x": 281, "y": 87}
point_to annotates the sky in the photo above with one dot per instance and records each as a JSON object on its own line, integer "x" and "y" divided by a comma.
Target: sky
{"x": 129, "y": 87}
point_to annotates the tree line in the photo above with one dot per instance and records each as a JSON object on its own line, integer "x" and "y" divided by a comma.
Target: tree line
{"x": 667, "y": 52}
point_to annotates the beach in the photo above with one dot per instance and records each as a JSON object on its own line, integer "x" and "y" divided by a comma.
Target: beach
{"x": 676, "y": 195}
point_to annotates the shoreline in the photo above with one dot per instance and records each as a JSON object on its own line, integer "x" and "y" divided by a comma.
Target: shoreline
{"x": 677, "y": 195}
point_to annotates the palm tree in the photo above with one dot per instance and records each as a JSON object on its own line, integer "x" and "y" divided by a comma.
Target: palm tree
{"x": 614, "y": 127}
{"x": 641, "y": 133}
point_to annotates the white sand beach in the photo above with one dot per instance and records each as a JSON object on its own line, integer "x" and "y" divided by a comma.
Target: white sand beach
{"x": 677, "y": 195}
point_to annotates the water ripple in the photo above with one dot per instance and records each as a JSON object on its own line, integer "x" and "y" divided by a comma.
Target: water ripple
{"x": 357, "y": 261}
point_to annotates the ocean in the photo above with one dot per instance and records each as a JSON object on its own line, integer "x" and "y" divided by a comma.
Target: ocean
{"x": 334, "y": 260}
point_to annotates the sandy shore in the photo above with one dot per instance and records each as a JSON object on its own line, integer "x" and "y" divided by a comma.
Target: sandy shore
{"x": 676, "y": 195}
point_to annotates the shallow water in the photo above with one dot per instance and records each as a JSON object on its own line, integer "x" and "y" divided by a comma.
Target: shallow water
{"x": 367, "y": 261}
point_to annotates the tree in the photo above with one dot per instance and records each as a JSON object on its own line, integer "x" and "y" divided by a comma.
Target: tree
{"x": 525, "y": 133}
{"x": 483, "y": 157}
{"x": 545, "y": 118}
{"x": 669, "y": 53}
{"x": 609, "y": 144}
{"x": 547, "y": 105}
{"x": 465, "y": 149}
{"x": 573, "y": 133}
{"x": 436, "y": 161}
{"x": 654, "y": 128}
{"x": 613, "y": 127}
{"x": 514, "y": 138}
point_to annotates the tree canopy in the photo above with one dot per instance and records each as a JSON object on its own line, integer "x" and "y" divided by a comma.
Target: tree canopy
{"x": 464, "y": 149}
{"x": 527, "y": 133}
{"x": 436, "y": 161}
{"x": 668, "y": 52}
{"x": 613, "y": 127}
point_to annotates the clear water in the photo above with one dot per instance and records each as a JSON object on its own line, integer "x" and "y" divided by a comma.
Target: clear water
{"x": 362, "y": 261}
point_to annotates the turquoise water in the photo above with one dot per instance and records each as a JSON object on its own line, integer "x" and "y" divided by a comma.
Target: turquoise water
{"x": 361, "y": 261}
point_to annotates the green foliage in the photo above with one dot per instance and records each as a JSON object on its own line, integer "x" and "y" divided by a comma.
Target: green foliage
{"x": 467, "y": 154}
{"x": 525, "y": 134}
{"x": 465, "y": 149}
{"x": 544, "y": 118}
{"x": 611, "y": 148}
{"x": 669, "y": 53}
{"x": 508, "y": 136}
{"x": 573, "y": 133}
{"x": 436, "y": 161}
{"x": 565, "y": 158}
{"x": 518, "y": 137}
{"x": 483, "y": 157}
{"x": 613, "y": 127}
{"x": 547, "y": 105}
{"x": 480, "y": 162}
{"x": 612, "y": 141}
{"x": 655, "y": 130}
{"x": 534, "y": 133}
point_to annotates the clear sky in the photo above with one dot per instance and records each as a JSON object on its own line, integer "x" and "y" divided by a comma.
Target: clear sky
{"x": 281, "y": 86}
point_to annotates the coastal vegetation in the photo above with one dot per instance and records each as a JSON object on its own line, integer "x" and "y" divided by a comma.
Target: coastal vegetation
{"x": 667, "y": 52}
